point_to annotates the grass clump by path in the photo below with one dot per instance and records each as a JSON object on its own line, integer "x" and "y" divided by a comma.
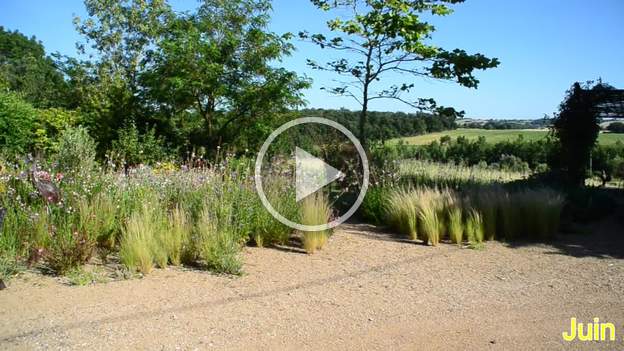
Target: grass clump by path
{"x": 455, "y": 226}
{"x": 216, "y": 243}
{"x": 315, "y": 210}
{"x": 138, "y": 243}
{"x": 481, "y": 214}
{"x": 402, "y": 212}
{"x": 474, "y": 228}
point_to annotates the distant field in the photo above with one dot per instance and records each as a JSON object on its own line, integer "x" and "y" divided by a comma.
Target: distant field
{"x": 494, "y": 136}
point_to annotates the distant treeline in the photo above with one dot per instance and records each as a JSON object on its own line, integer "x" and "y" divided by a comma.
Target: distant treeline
{"x": 387, "y": 125}
{"x": 509, "y": 124}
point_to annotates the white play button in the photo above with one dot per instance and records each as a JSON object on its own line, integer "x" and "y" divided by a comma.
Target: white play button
{"x": 312, "y": 174}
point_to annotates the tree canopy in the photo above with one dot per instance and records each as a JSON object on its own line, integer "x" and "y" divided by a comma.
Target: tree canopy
{"x": 576, "y": 127}
{"x": 377, "y": 38}
{"x": 201, "y": 78}
{"x": 25, "y": 67}
{"x": 150, "y": 82}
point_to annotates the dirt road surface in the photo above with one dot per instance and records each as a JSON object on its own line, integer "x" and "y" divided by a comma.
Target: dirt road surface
{"x": 366, "y": 290}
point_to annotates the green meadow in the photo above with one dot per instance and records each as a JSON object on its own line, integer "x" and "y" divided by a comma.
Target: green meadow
{"x": 494, "y": 136}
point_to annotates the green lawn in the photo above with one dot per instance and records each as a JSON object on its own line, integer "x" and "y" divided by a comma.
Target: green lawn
{"x": 494, "y": 136}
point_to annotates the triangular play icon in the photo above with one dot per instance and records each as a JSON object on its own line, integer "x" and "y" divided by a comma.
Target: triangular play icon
{"x": 312, "y": 174}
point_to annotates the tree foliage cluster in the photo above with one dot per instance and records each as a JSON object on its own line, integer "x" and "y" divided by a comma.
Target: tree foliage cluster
{"x": 25, "y": 68}
{"x": 576, "y": 127}
{"x": 381, "y": 39}
{"x": 189, "y": 82}
{"x": 185, "y": 81}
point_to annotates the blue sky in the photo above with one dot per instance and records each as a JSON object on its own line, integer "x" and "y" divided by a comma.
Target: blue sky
{"x": 543, "y": 45}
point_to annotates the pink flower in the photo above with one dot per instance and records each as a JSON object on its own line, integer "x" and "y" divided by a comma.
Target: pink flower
{"x": 43, "y": 175}
{"x": 59, "y": 177}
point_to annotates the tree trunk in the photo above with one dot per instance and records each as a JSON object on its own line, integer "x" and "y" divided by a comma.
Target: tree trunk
{"x": 363, "y": 118}
{"x": 364, "y": 113}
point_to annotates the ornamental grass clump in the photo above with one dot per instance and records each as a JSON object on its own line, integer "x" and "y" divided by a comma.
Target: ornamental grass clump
{"x": 138, "y": 241}
{"x": 402, "y": 212}
{"x": 99, "y": 219}
{"x": 474, "y": 227}
{"x": 262, "y": 227}
{"x": 315, "y": 210}
{"x": 508, "y": 218}
{"x": 178, "y": 235}
{"x": 216, "y": 242}
{"x": 487, "y": 206}
{"x": 541, "y": 212}
{"x": 455, "y": 226}
{"x": 554, "y": 208}
{"x": 430, "y": 224}
{"x": 431, "y": 205}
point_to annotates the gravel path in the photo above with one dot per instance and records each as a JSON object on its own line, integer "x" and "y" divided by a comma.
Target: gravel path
{"x": 367, "y": 290}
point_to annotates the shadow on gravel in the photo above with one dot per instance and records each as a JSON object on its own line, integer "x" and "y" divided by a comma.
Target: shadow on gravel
{"x": 603, "y": 239}
{"x": 294, "y": 245}
{"x": 370, "y": 231}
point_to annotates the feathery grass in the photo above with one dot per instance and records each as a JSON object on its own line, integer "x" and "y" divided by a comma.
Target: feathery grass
{"x": 455, "y": 225}
{"x": 402, "y": 212}
{"x": 178, "y": 236}
{"x": 217, "y": 244}
{"x": 315, "y": 210}
{"x": 474, "y": 227}
{"x": 137, "y": 242}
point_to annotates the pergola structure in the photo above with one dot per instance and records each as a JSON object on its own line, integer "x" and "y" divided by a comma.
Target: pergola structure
{"x": 608, "y": 102}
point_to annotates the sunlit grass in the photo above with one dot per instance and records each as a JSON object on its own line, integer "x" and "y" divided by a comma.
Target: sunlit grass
{"x": 432, "y": 174}
{"x": 137, "y": 242}
{"x": 455, "y": 225}
{"x": 477, "y": 215}
{"x": 315, "y": 210}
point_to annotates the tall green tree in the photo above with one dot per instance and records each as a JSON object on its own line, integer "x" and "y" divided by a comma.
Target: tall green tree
{"x": 17, "y": 124}
{"x": 379, "y": 38}
{"x": 216, "y": 62}
{"x": 199, "y": 78}
{"x": 25, "y": 68}
{"x": 119, "y": 35}
{"x": 576, "y": 127}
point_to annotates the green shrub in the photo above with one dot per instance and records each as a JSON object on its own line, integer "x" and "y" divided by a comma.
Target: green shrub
{"x": 51, "y": 123}
{"x": 17, "y": 124}
{"x": 69, "y": 248}
{"x": 76, "y": 151}
{"x": 373, "y": 207}
{"x": 133, "y": 148}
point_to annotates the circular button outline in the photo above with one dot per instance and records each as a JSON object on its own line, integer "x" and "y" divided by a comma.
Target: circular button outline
{"x": 258, "y": 174}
